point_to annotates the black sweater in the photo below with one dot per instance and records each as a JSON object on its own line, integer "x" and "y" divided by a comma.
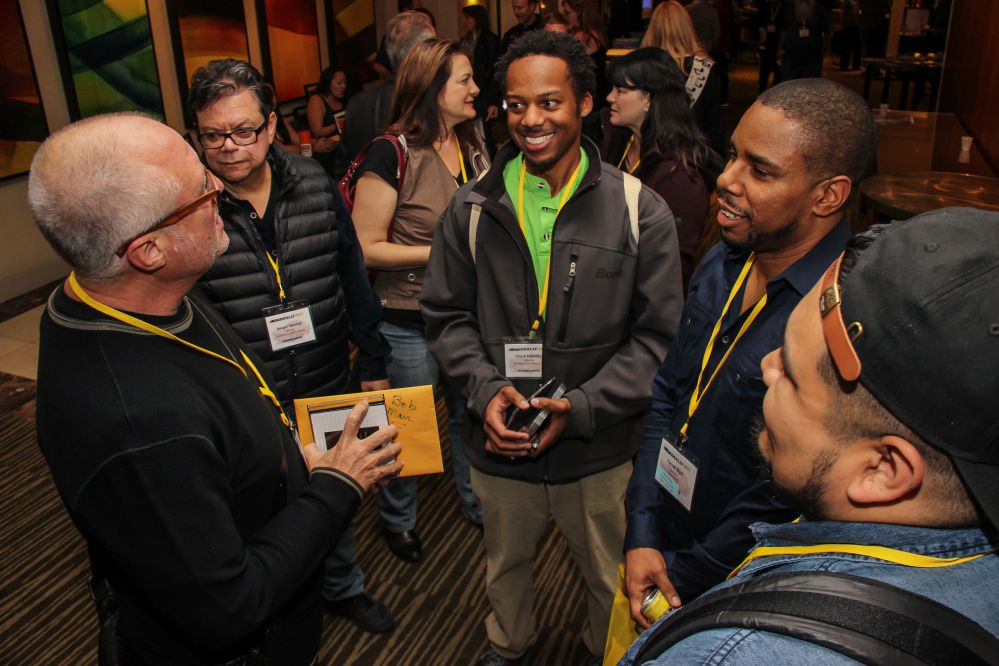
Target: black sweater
{"x": 191, "y": 494}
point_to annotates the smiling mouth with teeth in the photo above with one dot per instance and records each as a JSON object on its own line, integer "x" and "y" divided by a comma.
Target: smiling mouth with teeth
{"x": 538, "y": 140}
{"x": 730, "y": 215}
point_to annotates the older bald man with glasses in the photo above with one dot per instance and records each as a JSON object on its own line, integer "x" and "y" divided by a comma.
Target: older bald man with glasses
{"x": 206, "y": 522}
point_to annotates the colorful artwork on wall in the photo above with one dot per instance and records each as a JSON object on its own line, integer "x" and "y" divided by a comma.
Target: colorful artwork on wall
{"x": 22, "y": 119}
{"x": 205, "y": 31}
{"x": 105, "y": 49}
{"x": 355, "y": 37}
{"x": 293, "y": 45}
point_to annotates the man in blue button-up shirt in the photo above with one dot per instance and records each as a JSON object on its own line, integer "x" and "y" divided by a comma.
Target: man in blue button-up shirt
{"x": 793, "y": 166}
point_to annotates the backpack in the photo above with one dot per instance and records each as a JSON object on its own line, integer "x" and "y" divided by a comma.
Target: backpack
{"x": 867, "y": 620}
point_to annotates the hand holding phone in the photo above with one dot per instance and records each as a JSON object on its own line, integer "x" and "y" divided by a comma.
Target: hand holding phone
{"x": 532, "y": 420}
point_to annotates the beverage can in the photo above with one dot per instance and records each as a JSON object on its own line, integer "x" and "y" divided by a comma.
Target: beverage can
{"x": 654, "y": 606}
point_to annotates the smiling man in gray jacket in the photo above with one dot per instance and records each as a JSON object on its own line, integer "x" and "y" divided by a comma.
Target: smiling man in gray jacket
{"x": 553, "y": 265}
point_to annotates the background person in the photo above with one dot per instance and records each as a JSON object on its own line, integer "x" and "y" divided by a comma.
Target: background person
{"x": 650, "y": 132}
{"x": 368, "y": 111}
{"x": 803, "y": 40}
{"x": 206, "y": 520}
{"x": 671, "y": 29}
{"x": 292, "y": 251}
{"x": 876, "y": 451}
{"x": 482, "y": 47}
{"x": 433, "y": 109}
{"x": 554, "y": 22}
{"x": 325, "y": 112}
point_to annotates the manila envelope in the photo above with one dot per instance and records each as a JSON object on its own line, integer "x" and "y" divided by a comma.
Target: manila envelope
{"x": 412, "y": 410}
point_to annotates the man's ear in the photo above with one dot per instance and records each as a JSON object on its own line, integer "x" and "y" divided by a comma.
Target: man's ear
{"x": 892, "y": 470}
{"x": 833, "y": 193}
{"x": 146, "y": 256}
{"x": 585, "y": 105}
{"x": 272, "y": 121}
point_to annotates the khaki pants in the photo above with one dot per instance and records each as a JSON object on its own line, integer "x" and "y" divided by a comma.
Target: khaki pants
{"x": 588, "y": 512}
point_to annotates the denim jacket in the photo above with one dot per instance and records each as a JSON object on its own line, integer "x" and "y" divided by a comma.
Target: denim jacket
{"x": 970, "y": 588}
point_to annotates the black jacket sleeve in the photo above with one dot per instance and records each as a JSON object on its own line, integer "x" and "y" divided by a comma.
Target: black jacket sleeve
{"x": 363, "y": 307}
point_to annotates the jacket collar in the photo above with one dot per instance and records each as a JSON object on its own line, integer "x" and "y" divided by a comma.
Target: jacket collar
{"x": 491, "y": 186}
{"x": 938, "y": 542}
{"x": 804, "y": 273}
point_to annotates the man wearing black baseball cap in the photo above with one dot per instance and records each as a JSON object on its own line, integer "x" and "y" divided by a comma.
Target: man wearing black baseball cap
{"x": 880, "y": 423}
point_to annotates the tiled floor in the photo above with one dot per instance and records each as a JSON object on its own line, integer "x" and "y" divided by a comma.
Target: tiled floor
{"x": 19, "y": 344}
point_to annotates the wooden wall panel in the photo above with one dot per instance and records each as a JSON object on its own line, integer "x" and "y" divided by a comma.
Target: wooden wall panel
{"x": 970, "y": 86}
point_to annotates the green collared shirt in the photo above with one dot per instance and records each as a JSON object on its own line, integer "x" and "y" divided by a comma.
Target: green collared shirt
{"x": 540, "y": 209}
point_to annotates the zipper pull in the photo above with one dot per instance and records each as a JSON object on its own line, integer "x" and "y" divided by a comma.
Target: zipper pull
{"x": 572, "y": 275}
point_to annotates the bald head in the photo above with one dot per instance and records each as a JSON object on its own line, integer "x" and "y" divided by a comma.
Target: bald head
{"x": 101, "y": 181}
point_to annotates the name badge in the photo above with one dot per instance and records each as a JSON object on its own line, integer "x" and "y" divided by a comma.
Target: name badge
{"x": 523, "y": 359}
{"x": 289, "y": 324}
{"x": 677, "y": 473}
{"x": 804, "y": 32}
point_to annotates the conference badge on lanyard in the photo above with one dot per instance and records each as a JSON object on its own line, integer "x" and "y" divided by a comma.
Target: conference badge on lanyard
{"x": 523, "y": 358}
{"x": 289, "y": 324}
{"x": 677, "y": 472}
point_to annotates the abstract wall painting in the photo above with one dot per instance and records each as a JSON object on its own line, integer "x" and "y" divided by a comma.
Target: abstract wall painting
{"x": 105, "y": 49}
{"x": 22, "y": 119}
{"x": 293, "y": 45}
{"x": 205, "y": 31}
{"x": 354, "y": 37}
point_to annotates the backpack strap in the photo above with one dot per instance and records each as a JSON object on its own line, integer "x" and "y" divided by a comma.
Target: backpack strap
{"x": 473, "y": 220}
{"x": 866, "y": 620}
{"x": 632, "y": 188}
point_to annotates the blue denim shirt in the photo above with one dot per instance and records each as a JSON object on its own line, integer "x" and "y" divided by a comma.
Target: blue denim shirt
{"x": 970, "y": 588}
{"x": 704, "y": 545}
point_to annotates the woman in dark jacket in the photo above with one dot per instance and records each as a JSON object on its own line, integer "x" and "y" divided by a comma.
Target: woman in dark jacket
{"x": 650, "y": 131}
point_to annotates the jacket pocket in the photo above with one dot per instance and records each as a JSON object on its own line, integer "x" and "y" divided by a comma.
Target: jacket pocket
{"x": 592, "y": 296}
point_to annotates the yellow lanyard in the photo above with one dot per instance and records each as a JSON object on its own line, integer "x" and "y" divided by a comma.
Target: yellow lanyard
{"x": 146, "y": 326}
{"x": 625, "y": 156}
{"x": 543, "y": 294}
{"x": 277, "y": 274}
{"x": 698, "y": 394}
{"x": 877, "y": 552}
{"x": 461, "y": 164}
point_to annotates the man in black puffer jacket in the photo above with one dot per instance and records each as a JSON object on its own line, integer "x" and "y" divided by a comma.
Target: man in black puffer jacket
{"x": 292, "y": 283}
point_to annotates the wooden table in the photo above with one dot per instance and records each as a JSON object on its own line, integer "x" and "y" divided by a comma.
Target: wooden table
{"x": 909, "y": 70}
{"x": 903, "y": 195}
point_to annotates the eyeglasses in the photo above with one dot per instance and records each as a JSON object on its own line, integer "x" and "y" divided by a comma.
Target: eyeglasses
{"x": 179, "y": 214}
{"x": 240, "y": 137}
{"x": 837, "y": 334}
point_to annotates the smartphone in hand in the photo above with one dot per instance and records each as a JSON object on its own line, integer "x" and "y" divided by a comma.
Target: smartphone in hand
{"x": 533, "y": 419}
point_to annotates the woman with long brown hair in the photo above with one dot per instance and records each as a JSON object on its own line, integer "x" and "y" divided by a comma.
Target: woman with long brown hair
{"x": 396, "y": 208}
{"x": 671, "y": 29}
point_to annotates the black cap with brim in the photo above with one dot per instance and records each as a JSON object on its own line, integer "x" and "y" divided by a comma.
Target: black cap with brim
{"x": 929, "y": 343}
